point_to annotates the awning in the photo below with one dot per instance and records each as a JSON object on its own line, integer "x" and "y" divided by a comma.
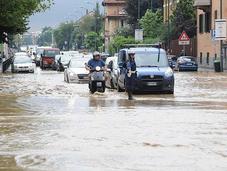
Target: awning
{"x": 199, "y": 3}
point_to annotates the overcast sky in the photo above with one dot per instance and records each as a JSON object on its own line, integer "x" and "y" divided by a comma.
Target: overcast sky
{"x": 62, "y": 10}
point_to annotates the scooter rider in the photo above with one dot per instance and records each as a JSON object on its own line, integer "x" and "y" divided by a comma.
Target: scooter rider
{"x": 130, "y": 74}
{"x": 96, "y": 61}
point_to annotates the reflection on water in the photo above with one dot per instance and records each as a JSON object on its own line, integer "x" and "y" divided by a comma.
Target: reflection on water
{"x": 46, "y": 124}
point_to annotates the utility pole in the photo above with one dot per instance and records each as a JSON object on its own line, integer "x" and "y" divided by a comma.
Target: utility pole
{"x": 221, "y": 43}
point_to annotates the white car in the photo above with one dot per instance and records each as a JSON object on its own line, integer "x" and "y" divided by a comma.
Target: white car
{"x": 20, "y": 54}
{"x": 76, "y": 72}
{"x": 23, "y": 64}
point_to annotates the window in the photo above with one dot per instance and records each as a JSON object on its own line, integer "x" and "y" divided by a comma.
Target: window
{"x": 201, "y": 58}
{"x": 215, "y": 14}
{"x": 201, "y": 23}
{"x": 215, "y": 56}
{"x": 208, "y": 58}
{"x": 122, "y": 23}
{"x": 207, "y": 23}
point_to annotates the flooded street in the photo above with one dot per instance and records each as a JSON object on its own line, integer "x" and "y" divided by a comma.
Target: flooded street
{"x": 49, "y": 125}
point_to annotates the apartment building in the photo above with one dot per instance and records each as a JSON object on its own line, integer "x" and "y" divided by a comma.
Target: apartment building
{"x": 115, "y": 17}
{"x": 209, "y": 49}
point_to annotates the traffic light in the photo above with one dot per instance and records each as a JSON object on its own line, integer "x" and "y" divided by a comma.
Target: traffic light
{"x": 5, "y": 38}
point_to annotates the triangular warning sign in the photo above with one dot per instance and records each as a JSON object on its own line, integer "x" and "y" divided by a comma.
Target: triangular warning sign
{"x": 184, "y": 37}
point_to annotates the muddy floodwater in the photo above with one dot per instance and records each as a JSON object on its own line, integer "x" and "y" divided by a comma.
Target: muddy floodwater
{"x": 49, "y": 125}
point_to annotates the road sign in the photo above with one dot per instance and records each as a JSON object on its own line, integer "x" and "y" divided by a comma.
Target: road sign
{"x": 139, "y": 34}
{"x": 220, "y": 29}
{"x": 184, "y": 39}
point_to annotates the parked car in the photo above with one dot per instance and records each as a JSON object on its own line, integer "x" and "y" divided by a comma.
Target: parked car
{"x": 48, "y": 57}
{"x": 112, "y": 73}
{"x": 153, "y": 71}
{"x": 76, "y": 72}
{"x": 186, "y": 63}
{"x": 23, "y": 64}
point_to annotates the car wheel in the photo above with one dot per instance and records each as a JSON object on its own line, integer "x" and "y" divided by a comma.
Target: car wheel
{"x": 170, "y": 92}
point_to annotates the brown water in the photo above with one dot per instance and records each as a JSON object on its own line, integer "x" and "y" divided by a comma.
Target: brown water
{"x": 49, "y": 125}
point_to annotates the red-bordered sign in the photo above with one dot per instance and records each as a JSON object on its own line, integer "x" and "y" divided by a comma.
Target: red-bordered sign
{"x": 184, "y": 39}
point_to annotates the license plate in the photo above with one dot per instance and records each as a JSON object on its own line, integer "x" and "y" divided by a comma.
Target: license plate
{"x": 152, "y": 84}
{"x": 99, "y": 84}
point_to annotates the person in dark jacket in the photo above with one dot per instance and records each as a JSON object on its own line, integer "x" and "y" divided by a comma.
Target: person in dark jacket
{"x": 130, "y": 76}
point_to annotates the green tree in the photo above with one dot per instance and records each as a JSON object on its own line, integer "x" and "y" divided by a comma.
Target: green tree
{"x": 93, "y": 41}
{"x": 132, "y": 9}
{"x": 152, "y": 24}
{"x": 14, "y": 14}
{"x": 45, "y": 38}
{"x": 63, "y": 36}
{"x": 184, "y": 18}
{"x": 119, "y": 42}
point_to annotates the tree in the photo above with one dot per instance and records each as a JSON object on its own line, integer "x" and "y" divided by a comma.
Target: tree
{"x": 45, "y": 38}
{"x": 93, "y": 41}
{"x": 63, "y": 36}
{"x": 152, "y": 24}
{"x": 118, "y": 42}
{"x": 144, "y": 5}
{"x": 184, "y": 18}
{"x": 14, "y": 14}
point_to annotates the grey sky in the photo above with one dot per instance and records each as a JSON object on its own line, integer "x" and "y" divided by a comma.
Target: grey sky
{"x": 62, "y": 10}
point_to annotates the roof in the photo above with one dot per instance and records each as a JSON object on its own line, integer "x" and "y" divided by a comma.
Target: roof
{"x": 146, "y": 49}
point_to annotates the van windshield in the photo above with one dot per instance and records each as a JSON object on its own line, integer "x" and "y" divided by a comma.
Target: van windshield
{"x": 149, "y": 59}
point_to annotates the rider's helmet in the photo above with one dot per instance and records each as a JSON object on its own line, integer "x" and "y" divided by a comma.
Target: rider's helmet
{"x": 131, "y": 52}
{"x": 96, "y": 53}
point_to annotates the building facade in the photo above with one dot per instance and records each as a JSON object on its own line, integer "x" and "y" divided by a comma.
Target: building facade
{"x": 115, "y": 17}
{"x": 209, "y": 49}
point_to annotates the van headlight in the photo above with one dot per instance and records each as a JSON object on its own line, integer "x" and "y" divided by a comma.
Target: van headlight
{"x": 169, "y": 72}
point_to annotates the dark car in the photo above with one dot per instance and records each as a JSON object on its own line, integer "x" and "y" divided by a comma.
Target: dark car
{"x": 187, "y": 63}
{"x": 153, "y": 71}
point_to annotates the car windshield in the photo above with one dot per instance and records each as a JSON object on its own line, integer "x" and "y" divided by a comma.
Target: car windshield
{"x": 77, "y": 64}
{"x": 149, "y": 59}
{"x": 51, "y": 53}
{"x": 187, "y": 59}
{"x": 21, "y": 60}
